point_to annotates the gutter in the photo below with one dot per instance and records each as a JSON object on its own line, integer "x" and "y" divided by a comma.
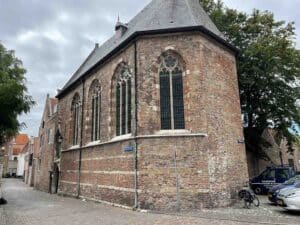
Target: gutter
{"x": 136, "y": 34}
{"x": 81, "y": 139}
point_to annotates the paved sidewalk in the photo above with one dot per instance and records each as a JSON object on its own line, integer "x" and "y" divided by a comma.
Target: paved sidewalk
{"x": 30, "y": 207}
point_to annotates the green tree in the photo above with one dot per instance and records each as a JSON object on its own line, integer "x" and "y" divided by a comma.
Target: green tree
{"x": 268, "y": 70}
{"x": 13, "y": 94}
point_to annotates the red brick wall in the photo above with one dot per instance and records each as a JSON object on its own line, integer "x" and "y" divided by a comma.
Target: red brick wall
{"x": 44, "y": 156}
{"x": 212, "y": 107}
{"x": 211, "y": 165}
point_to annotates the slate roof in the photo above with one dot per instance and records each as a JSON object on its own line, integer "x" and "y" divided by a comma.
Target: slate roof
{"x": 158, "y": 15}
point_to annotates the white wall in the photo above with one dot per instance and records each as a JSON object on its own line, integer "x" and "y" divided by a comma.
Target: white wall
{"x": 21, "y": 164}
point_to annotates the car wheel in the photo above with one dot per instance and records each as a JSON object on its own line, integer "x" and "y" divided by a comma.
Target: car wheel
{"x": 257, "y": 190}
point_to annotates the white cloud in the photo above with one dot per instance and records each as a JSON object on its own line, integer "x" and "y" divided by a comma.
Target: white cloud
{"x": 26, "y": 36}
{"x": 52, "y": 38}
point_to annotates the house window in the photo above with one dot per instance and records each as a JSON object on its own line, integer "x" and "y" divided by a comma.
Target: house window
{"x": 76, "y": 105}
{"x": 96, "y": 111}
{"x": 123, "y": 101}
{"x": 171, "y": 93}
{"x": 39, "y": 164}
{"x": 30, "y": 159}
{"x": 49, "y": 136}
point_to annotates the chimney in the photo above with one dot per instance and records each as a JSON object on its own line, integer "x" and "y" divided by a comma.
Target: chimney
{"x": 120, "y": 28}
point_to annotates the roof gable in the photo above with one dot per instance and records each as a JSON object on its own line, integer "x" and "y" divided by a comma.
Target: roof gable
{"x": 52, "y": 106}
{"x": 156, "y": 16}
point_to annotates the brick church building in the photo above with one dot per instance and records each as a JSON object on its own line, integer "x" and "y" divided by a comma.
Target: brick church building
{"x": 152, "y": 119}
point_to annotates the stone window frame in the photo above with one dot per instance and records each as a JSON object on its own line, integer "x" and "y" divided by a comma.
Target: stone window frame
{"x": 171, "y": 64}
{"x": 94, "y": 110}
{"x": 58, "y": 143}
{"x": 76, "y": 110}
{"x": 122, "y": 99}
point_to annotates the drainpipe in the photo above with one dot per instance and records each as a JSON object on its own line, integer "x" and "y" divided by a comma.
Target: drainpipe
{"x": 177, "y": 183}
{"x": 135, "y": 129}
{"x": 81, "y": 139}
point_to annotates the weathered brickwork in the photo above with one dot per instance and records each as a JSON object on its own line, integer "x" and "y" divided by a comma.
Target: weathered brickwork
{"x": 211, "y": 107}
{"x": 175, "y": 168}
{"x": 202, "y": 166}
{"x": 44, "y": 161}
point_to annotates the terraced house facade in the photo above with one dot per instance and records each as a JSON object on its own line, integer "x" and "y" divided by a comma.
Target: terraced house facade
{"x": 152, "y": 119}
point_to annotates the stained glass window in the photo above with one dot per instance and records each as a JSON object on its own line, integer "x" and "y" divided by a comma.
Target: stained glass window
{"x": 96, "y": 111}
{"x": 76, "y": 106}
{"x": 123, "y": 101}
{"x": 118, "y": 107}
{"x": 171, "y": 93}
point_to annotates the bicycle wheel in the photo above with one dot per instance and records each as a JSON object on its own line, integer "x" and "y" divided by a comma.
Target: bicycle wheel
{"x": 256, "y": 201}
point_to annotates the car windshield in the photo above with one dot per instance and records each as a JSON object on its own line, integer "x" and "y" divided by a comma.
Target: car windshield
{"x": 293, "y": 180}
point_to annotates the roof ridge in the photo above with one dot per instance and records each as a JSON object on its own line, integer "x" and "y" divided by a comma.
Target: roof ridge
{"x": 191, "y": 12}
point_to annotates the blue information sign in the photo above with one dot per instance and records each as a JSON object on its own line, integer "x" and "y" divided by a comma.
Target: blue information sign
{"x": 128, "y": 149}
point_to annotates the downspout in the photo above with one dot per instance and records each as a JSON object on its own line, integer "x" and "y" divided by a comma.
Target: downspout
{"x": 81, "y": 139}
{"x": 135, "y": 129}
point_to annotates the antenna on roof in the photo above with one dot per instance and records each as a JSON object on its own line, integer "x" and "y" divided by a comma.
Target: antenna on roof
{"x": 118, "y": 18}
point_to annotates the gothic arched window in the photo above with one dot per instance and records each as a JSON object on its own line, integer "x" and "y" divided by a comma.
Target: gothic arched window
{"x": 76, "y": 106}
{"x": 171, "y": 92}
{"x": 95, "y": 96}
{"x": 123, "y": 100}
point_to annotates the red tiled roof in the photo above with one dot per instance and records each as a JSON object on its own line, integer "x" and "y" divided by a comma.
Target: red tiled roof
{"x": 22, "y": 139}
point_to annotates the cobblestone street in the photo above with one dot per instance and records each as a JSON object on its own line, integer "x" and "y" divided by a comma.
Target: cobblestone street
{"x": 28, "y": 206}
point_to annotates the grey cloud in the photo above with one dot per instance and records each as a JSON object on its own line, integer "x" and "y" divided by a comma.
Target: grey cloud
{"x": 53, "y": 38}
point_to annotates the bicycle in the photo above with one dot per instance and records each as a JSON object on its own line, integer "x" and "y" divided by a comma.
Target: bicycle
{"x": 249, "y": 198}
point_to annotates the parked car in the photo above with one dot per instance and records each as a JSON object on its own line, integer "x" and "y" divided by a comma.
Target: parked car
{"x": 270, "y": 177}
{"x": 289, "y": 198}
{"x": 273, "y": 192}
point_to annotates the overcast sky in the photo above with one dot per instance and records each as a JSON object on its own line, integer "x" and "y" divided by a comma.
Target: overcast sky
{"x": 52, "y": 38}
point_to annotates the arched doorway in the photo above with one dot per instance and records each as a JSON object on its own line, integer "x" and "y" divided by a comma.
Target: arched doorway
{"x": 55, "y": 179}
